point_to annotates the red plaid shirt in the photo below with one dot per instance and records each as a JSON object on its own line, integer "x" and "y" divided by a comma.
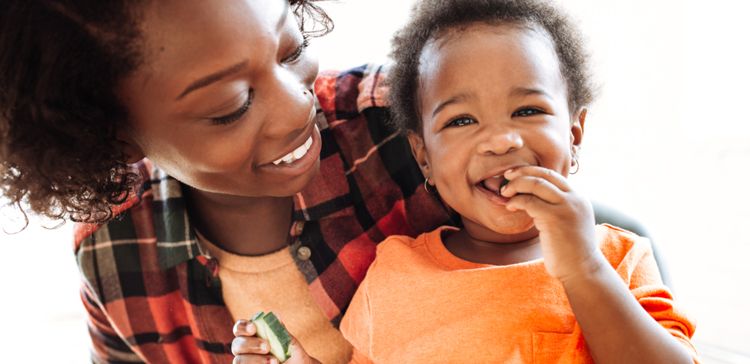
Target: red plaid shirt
{"x": 153, "y": 296}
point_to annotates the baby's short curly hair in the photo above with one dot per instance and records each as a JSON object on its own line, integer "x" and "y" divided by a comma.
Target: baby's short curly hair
{"x": 60, "y": 65}
{"x": 432, "y": 19}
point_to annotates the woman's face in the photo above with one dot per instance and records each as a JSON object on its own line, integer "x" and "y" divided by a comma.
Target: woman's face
{"x": 224, "y": 92}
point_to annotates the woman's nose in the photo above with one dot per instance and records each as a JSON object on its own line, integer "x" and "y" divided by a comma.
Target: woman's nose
{"x": 500, "y": 140}
{"x": 291, "y": 102}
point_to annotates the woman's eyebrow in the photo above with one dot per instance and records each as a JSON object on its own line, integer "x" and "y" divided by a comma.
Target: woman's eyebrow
{"x": 214, "y": 77}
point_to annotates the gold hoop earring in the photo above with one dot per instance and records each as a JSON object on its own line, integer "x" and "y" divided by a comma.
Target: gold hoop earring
{"x": 427, "y": 186}
{"x": 574, "y": 164}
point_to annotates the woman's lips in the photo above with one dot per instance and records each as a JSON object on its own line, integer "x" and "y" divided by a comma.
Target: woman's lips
{"x": 296, "y": 154}
{"x": 303, "y": 158}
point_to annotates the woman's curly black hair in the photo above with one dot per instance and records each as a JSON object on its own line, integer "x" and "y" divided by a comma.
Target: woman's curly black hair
{"x": 432, "y": 19}
{"x": 60, "y": 65}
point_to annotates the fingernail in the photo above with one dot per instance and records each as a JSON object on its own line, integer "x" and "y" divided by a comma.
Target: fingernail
{"x": 263, "y": 347}
{"x": 239, "y": 327}
{"x": 273, "y": 361}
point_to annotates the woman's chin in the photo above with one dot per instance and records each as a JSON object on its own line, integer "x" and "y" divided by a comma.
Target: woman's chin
{"x": 298, "y": 184}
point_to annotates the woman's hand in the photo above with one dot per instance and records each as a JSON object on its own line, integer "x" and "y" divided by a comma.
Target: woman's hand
{"x": 564, "y": 218}
{"x": 250, "y": 349}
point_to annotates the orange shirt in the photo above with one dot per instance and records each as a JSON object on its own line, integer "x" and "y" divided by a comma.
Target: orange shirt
{"x": 421, "y": 304}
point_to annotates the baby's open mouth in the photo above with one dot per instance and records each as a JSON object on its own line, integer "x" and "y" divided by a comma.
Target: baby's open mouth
{"x": 494, "y": 184}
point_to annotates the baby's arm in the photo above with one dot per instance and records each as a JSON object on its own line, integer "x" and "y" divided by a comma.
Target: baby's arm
{"x": 615, "y": 326}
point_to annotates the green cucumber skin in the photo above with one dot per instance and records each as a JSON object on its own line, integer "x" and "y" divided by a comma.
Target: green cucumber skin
{"x": 278, "y": 329}
{"x": 270, "y": 328}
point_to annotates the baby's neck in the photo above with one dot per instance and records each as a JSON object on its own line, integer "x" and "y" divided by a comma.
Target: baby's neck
{"x": 463, "y": 245}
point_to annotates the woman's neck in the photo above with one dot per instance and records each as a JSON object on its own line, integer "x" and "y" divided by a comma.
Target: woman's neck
{"x": 241, "y": 225}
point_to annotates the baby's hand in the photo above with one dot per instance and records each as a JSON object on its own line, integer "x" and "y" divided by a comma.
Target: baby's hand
{"x": 248, "y": 348}
{"x": 564, "y": 218}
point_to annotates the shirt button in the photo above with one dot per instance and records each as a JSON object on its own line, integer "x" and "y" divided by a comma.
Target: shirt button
{"x": 298, "y": 228}
{"x": 304, "y": 253}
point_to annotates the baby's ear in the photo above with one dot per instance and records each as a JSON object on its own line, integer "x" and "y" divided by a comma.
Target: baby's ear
{"x": 577, "y": 126}
{"x": 419, "y": 152}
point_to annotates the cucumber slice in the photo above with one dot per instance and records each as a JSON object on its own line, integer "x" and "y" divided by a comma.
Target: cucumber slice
{"x": 270, "y": 328}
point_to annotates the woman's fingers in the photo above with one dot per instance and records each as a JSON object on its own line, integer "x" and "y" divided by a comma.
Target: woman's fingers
{"x": 243, "y": 328}
{"x": 249, "y": 345}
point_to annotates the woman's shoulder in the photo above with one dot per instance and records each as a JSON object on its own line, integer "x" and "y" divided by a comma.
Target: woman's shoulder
{"x": 156, "y": 187}
{"x": 150, "y": 231}
{"x": 349, "y": 92}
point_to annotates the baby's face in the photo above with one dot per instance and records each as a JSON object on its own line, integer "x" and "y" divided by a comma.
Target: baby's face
{"x": 491, "y": 98}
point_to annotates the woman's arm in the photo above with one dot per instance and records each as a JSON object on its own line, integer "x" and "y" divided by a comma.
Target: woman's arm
{"x": 108, "y": 346}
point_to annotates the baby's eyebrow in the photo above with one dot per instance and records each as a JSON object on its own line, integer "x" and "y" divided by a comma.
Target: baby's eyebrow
{"x": 462, "y": 97}
{"x": 528, "y": 91}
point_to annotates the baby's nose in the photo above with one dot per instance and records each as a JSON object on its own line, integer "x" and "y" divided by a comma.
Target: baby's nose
{"x": 500, "y": 141}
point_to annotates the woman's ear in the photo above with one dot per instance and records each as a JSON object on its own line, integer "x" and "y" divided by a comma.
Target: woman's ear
{"x": 419, "y": 152}
{"x": 129, "y": 147}
{"x": 576, "y": 127}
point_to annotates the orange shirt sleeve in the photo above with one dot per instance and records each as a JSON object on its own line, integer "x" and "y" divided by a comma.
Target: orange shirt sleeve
{"x": 640, "y": 269}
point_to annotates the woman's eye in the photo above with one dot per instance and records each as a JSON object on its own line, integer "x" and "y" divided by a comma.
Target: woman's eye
{"x": 235, "y": 115}
{"x": 462, "y": 121}
{"x": 295, "y": 56}
{"x": 528, "y": 111}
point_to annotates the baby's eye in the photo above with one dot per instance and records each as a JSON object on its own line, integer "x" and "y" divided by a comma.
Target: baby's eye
{"x": 527, "y": 111}
{"x": 461, "y": 121}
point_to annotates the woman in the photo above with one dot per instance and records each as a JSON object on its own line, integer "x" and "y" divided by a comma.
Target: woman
{"x": 210, "y": 181}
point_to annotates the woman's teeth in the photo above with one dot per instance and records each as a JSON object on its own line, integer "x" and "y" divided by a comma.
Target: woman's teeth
{"x": 295, "y": 154}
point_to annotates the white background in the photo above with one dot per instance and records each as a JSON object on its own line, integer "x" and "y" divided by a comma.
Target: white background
{"x": 667, "y": 141}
